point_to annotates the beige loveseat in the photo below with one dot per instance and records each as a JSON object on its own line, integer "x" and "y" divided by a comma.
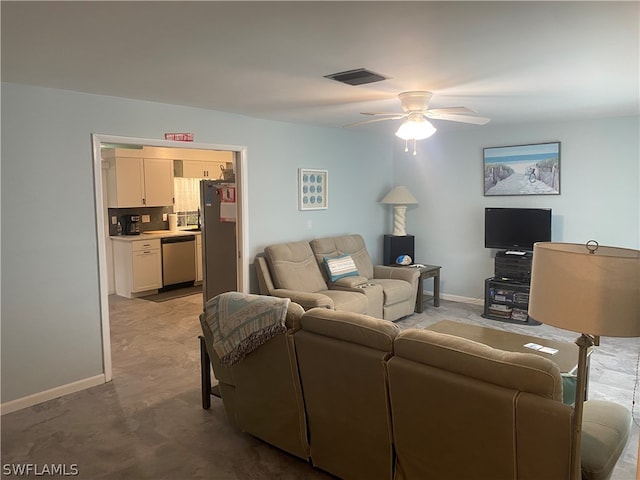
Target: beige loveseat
{"x": 361, "y": 400}
{"x": 297, "y": 270}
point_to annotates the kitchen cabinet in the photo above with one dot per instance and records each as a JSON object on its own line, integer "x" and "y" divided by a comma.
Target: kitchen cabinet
{"x": 137, "y": 267}
{"x": 199, "y": 169}
{"x": 139, "y": 182}
{"x": 158, "y": 182}
{"x": 198, "y": 259}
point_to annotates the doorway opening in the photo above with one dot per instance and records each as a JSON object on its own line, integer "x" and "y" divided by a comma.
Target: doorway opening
{"x": 102, "y": 218}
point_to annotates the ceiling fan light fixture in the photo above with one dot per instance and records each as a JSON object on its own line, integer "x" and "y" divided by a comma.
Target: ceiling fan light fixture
{"x": 415, "y": 107}
{"x": 415, "y": 128}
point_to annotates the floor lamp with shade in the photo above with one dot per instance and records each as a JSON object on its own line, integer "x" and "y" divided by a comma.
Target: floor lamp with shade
{"x": 589, "y": 289}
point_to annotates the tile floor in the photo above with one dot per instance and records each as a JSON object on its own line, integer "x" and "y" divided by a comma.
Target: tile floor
{"x": 148, "y": 423}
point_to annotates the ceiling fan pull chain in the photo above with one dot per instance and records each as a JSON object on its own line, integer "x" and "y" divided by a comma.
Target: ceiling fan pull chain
{"x": 414, "y": 147}
{"x": 406, "y": 145}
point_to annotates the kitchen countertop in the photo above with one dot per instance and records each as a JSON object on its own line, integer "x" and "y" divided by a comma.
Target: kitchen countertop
{"x": 154, "y": 234}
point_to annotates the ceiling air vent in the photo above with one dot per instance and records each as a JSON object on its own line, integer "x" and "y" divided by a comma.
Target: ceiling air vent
{"x": 359, "y": 76}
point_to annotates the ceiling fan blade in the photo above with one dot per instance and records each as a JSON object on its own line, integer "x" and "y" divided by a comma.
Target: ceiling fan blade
{"x": 374, "y": 120}
{"x": 460, "y": 118}
{"x": 381, "y": 113}
{"x": 452, "y": 110}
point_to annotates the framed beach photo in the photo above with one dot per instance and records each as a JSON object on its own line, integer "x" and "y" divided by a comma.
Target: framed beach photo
{"x": 522, "y": 169}
{"x": 313, "y": 189}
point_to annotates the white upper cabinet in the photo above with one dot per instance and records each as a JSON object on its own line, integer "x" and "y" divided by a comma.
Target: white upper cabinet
{"x": 125, "y": 182}
{"x": 158, "y": 182}
{"x": 203, "y": 164}
{"x": 201, "y": 169}
{"x": 139, "y": 182}
{"x": 143, "y": 177}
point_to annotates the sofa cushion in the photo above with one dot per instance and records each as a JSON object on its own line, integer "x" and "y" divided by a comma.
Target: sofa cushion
{"x": 294, "y": 267}
{"x": 347, "y": 301}
{"x": 352, "y": 245}
{"x": 605, "y": 431}
{"x": 340, "y": 267}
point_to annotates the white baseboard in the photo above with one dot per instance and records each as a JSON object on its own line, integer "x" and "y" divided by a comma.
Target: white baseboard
{"x": 458, "y": 298}
{"x": 50, "y": 394}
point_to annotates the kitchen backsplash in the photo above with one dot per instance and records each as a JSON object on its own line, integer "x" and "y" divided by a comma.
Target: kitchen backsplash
{"x": 155, "y": 218}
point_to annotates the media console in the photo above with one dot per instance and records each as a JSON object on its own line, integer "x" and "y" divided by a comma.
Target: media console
{"x": 506, "y": 294}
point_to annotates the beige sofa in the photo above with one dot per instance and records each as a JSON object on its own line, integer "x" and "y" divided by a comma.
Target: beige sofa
{"x": 497, "y": 414}
{"x": 361, "y": 400}
{"x": 296, "y": 270}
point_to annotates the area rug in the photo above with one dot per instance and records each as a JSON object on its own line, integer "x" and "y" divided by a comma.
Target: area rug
{"x": 172, "y": 294}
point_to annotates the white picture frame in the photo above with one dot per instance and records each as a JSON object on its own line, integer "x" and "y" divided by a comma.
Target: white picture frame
{"x": 313, "y": 189}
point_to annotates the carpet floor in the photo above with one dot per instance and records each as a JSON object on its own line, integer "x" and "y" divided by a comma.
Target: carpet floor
{"x": 148, "y": 422}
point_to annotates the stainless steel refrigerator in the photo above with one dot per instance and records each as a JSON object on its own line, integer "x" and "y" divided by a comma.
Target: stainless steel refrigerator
{"x": 219, "y": 244}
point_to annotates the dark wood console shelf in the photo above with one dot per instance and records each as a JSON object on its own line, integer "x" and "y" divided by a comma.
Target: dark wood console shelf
{"x": 507, "y": 300}
{"x": 506, "y": 295}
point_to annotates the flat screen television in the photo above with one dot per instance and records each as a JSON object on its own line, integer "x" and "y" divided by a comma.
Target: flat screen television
{"x": 516, "y": 228}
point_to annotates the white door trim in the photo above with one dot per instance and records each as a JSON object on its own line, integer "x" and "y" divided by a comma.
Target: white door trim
{"x": 242, "y": 234}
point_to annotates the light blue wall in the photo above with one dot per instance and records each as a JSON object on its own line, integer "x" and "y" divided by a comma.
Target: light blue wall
{"x": 600, "y": 193}
{"x": 50, "y": 296}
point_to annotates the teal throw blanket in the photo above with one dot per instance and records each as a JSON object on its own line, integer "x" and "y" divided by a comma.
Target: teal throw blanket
{"x": 241, "y": 322}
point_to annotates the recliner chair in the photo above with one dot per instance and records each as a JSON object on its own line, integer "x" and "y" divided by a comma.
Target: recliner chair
{"x": 399, "y": 285}
{"x": 341, "y": 358}
{"x": 262, "y": 394}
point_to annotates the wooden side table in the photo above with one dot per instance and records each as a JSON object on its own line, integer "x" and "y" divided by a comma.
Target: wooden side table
{"x": 428, "y": 271}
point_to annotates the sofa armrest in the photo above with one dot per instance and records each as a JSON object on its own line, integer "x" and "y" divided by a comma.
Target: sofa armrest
{"x": 407, "y": 274}
{"x": 265, "y": 283}
{"x": 305, "y": 299}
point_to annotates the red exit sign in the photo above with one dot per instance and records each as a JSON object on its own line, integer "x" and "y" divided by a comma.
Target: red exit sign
{"x": 179, "y": 137}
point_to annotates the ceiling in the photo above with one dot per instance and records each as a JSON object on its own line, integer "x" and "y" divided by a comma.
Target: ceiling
{"x": 515, "y": 62}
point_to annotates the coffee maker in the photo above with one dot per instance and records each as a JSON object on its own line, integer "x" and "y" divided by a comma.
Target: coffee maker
{"x": 131, "y": 224}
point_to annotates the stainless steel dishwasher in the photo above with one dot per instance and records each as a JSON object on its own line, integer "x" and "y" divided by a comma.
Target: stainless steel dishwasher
{"x": 178, "y": 261}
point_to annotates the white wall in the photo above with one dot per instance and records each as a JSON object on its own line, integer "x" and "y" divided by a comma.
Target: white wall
{"x": 50, "y": 294}
{"x": 599, "y": 192}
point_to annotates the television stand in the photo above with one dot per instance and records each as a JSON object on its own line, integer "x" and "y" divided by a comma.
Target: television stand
{"x": 506, "y": 294}
{"x": 507, "y": 300}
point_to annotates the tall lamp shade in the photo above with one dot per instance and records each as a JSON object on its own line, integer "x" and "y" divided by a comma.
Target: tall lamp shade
{"x": 591, "y": 290}
{"x": 594, "y": 293}
{"x": 399, "y": 197}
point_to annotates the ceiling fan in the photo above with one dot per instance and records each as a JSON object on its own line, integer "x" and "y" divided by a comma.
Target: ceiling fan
{"x": 416, "y": 112}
